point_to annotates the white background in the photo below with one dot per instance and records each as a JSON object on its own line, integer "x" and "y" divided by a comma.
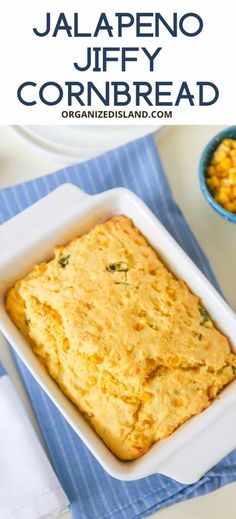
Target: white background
{"x": 180, "y": 148}
{"x": 26, "y": 57}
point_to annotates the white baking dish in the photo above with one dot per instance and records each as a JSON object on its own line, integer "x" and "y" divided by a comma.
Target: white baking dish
{"x": 67, "y": 212}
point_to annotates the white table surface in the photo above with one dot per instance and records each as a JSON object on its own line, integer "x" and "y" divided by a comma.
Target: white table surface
{"x": 180, "y": 148}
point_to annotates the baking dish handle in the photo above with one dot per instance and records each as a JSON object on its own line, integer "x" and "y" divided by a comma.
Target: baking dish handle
{"x": 19, "y": 231}
{"x": 194, "y": 459}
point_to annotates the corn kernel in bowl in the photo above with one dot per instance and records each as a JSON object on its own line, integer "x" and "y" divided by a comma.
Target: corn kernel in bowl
{"x": 221, "y": 179}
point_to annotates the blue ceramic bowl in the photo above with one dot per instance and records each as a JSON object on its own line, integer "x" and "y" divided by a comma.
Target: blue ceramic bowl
{"x": 228, "y": 133}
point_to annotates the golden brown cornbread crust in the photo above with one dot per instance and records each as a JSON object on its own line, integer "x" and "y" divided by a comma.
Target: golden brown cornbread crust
{"x": 128, "y": 343}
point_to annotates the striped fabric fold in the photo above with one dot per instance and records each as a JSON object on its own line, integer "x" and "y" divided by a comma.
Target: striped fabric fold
{"x": 2, "y": 371}
{"x": 92, "y": 493}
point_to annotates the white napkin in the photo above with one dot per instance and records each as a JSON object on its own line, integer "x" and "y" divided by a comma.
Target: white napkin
{"x": 29, "y": 488}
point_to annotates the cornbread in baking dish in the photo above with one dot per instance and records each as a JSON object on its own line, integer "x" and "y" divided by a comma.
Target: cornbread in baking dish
{"x": 124, "y": 339}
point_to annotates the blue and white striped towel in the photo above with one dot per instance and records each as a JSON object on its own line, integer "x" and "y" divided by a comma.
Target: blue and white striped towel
{"x": 92, "y": 493}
